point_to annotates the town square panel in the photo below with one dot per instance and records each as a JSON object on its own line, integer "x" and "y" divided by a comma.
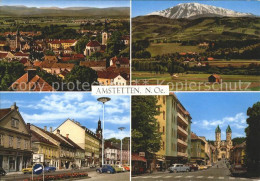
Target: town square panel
{"x": 73, "y": 135}
{"x": 64, "y": 45}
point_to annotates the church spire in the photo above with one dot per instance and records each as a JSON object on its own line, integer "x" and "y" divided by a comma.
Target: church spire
{"x": 218, "y": 130}
{"x": 228, "y": 130}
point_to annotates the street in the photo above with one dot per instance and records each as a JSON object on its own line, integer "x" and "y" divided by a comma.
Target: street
{"x": 91, "y": 173}
{"x": 214, "y": 173}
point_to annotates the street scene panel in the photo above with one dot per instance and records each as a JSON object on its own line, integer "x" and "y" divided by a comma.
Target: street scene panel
{"x": 64, "y": 45}
{"x": 195, "y": 136}
{"x": 67, "y": 135}
{"x": 196, "y": 46}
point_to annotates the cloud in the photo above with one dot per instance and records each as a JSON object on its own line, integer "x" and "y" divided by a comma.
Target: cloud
{"x": 108, "y": 133}
{"x": 118, "y": 120}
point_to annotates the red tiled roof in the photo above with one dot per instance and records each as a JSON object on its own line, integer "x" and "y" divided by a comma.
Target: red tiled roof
{"x": 107, "y": 75}
{"x": 193, "y": 136}
{"x": 93, "y": 63}
{"x": 126, "y": 37}
{"x": 121, "y": 60}
{"x": 35, "y": 84}
{"x": 93, "y": 43}
{"x": 37, "y": 63}
{"x": 23, "y": 60}
{"x": 3, "y": 55}
{"x": 216, "y": 76}
{"x": 4, "y": 112}
{"x": 72, "y": 143}
{"x": 63, "y": 65}
{"x": 21, "y": 54}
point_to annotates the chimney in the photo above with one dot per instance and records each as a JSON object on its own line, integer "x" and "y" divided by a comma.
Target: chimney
{"x": 45, "y": 128}
{"x": 51, "y": 129}
{"x": 67, "y": 136}
{"x": 28, "y": 126}
{"x": 31, "y": 73}
{"x": 58, "y": 131}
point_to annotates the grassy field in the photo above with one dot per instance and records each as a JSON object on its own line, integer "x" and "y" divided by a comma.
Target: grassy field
{"x": 233, "y": 63}
{"x": 164, "y": 48}
{"x": 198, "y": 82}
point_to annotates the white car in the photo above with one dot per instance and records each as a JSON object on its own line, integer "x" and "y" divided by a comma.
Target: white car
{"x": 121, "y": 167}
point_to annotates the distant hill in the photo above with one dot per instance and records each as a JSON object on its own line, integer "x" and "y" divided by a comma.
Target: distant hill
{"x": 206, "y": 28}
{"x": 197, "y": 10}
{"x": 55, "y": 11}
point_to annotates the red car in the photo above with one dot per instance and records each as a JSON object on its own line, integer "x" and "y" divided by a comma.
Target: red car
{"x": 126, "y": 168}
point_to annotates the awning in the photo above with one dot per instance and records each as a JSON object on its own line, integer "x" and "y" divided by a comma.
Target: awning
{"x": 136, "y": 157}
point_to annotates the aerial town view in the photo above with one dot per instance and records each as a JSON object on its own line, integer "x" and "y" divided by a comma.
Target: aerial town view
{"x": 68, "y": 134}
{"x": 64, "y": 45}
{"x": 176, "y": 137}
{"x": 196, "y": 46}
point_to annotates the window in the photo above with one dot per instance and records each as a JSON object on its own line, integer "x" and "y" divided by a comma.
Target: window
{"x": 15, "y": 123}
{"x": 163, "y": 115}
{"x": 163, "y": 145}
{"x": 18, "y": 142}
{"x": 1, "y": 140}
{"x": 26, "y": 144}
{"x": 163, "y": 130}
{"x": 11, "y": 139}
{"x": 164, "y": 99}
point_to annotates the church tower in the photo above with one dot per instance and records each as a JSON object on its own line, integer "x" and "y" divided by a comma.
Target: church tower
{"x": 228, "y": 136}
{"x": 99, "y": 130}
{"x": 104, "y": 38}
{"x": 218, "y": 134}
{"x": 17, "y": 39}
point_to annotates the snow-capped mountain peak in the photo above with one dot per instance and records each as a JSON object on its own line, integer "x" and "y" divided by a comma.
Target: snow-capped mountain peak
{"x": 197, "y": 10}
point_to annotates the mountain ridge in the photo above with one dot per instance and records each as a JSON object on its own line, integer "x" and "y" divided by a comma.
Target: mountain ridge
{"x": 197, "y": 10}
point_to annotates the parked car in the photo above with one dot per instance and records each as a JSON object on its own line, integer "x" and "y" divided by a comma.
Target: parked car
{"x": 179, "y": 168}
{"x": 49, "y": 169}
{"x": 118, "y": 168}
{"x": 203, "y": 167}
{"x": 126, "y": 167}
{"x": 27, "y": 170}
{"x": 106, "y": 169}
{"x": 237, "y": 170}
{"x": 122, "y": 167}
{"x": 2, "y": 172}
{"x": 193, "y": 167}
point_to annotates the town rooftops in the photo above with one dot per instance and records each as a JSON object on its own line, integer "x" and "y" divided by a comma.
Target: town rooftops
{"x": 93, "y": 63}
{"x": 3, "y": 55}
{"x": 120, "y": 60}
{"x": 62, "y": 41}
{"x": 21, "y": 54}
{"x": 63, "y": 65}
{"x": 31, "y": 82}
{"x": 93, "y": 43}
{"x": 107, "y": 75}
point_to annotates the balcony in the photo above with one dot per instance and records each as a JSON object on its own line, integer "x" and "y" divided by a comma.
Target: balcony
{"x": 182, "y": 154}
{"x": 182, "y": 131}
{"x": 183, "y": 143}
{"x": 181, "y": 119}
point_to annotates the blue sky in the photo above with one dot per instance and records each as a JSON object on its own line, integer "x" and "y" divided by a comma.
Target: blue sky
{"x": 67, "y": 3}
{"x": 52, "y": 109}
{"x": 145, "y": 7}
{"x": 210, "y": 109}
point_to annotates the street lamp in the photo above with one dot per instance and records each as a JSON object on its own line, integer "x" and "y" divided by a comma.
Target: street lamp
{"x": 121, "y": 129}
{"x": 103, "y": 100}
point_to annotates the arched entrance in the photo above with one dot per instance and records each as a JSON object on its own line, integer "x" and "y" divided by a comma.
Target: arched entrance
{"x": 223, "y": 156}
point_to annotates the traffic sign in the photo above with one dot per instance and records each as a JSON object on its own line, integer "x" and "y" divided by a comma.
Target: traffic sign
{"x": 37, "y": 169}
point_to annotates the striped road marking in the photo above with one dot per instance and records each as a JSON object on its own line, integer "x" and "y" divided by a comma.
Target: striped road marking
{"x": 178, "y": 176}
{"x": 189, "y": 176}
{"x": 157, "y": 176}
{"x": 199, "y": 177}
{"x": 210, "y": 177}
{"x": 221, "y": 178}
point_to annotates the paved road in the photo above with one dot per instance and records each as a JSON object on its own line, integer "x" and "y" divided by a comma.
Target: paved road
{"x": 219, "y": 172}
{"x": 91, "y": 173}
